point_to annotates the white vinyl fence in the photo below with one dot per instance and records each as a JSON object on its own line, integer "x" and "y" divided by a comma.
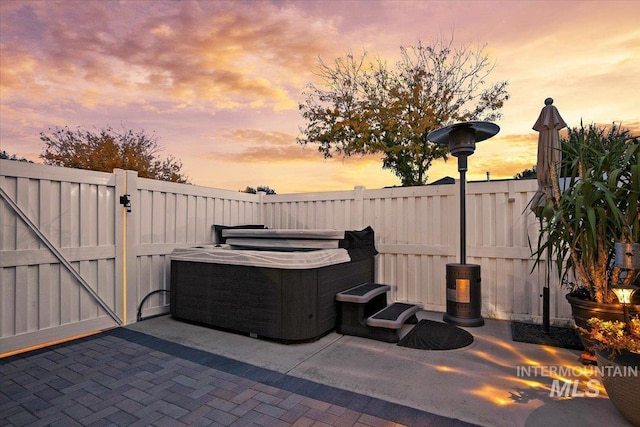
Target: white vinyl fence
{"x": 74, "y": 260}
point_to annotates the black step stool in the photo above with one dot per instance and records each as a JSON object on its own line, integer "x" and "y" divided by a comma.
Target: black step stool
{"x": 363, "y": 312}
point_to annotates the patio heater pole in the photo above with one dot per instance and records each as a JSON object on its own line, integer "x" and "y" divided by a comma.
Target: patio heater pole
{"x": 464, "y": 301}
{"x": 462, "y": 170}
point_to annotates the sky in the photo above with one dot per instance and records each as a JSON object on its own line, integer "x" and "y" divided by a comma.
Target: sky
{"x": 219, "y": 82}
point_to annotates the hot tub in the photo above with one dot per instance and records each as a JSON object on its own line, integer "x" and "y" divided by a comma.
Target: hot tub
{"x": 277, "y": 284}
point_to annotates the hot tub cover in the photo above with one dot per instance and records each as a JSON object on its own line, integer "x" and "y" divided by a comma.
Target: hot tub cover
{"x": 285, "y": 233}
{"x": 224, "y": 254}
{"x": 360, "y": 244}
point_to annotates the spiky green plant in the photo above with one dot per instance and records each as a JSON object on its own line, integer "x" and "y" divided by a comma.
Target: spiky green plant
{"x": 597, "y": 207}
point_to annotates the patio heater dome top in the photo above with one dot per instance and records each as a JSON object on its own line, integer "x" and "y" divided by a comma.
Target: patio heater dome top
{"x": 462, "y": 137}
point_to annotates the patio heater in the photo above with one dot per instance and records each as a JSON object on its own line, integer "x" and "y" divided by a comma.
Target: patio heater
{"x": 463, "y": 280}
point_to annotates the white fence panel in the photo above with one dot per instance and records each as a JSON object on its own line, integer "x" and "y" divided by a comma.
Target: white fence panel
{"x": 337, "y": 210}
{"x": 416, "y": 239}
{"x": 74, "y": 213}
{"x": 165, "y": 216}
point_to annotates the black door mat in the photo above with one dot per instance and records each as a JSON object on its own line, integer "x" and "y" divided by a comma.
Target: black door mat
{"x": 431, "y": 335}
{"x": 556, "y": 337}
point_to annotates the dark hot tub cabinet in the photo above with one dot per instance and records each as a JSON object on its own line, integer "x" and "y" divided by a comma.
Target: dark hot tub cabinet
{"x": 279, "y": 284}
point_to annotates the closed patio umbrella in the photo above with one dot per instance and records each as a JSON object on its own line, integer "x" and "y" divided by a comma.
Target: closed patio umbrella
{"x": 548, "y": 126}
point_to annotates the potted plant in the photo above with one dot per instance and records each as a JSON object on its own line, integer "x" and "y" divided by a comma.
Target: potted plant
{"x": 593, "y": 206}
{"x": 618, "y": 354}
{"x": 615, "y": 338}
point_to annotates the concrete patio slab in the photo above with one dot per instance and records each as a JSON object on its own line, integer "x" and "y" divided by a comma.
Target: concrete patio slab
{"x": 485, "y": 383}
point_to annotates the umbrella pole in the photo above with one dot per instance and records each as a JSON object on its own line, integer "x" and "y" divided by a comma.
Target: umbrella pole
{"x": 545, "y": 309}
{"x": 545, "y": 296}
{"x": 545, "y": 292}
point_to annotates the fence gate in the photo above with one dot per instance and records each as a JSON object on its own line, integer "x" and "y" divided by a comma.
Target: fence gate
{"x": 58, "y": 279}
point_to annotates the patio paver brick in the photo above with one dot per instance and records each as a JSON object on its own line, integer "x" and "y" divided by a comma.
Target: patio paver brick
{"x": 221, "y": 417}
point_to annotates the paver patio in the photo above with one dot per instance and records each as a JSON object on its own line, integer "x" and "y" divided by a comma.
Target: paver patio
{"x": 165, "y": 372}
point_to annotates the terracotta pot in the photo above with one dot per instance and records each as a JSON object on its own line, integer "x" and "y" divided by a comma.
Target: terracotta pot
{"x": 622, "y": 382}
{"x": 583, "y": 310}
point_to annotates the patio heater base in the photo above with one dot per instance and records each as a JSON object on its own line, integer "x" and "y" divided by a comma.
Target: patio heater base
{"x": 463, "y": 295}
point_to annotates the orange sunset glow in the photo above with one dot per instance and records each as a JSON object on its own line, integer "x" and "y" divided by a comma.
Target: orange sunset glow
{"x": 219, "y": 82}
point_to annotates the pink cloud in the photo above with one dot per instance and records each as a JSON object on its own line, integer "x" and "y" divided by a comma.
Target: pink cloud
{"x": 221, "y": 79}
